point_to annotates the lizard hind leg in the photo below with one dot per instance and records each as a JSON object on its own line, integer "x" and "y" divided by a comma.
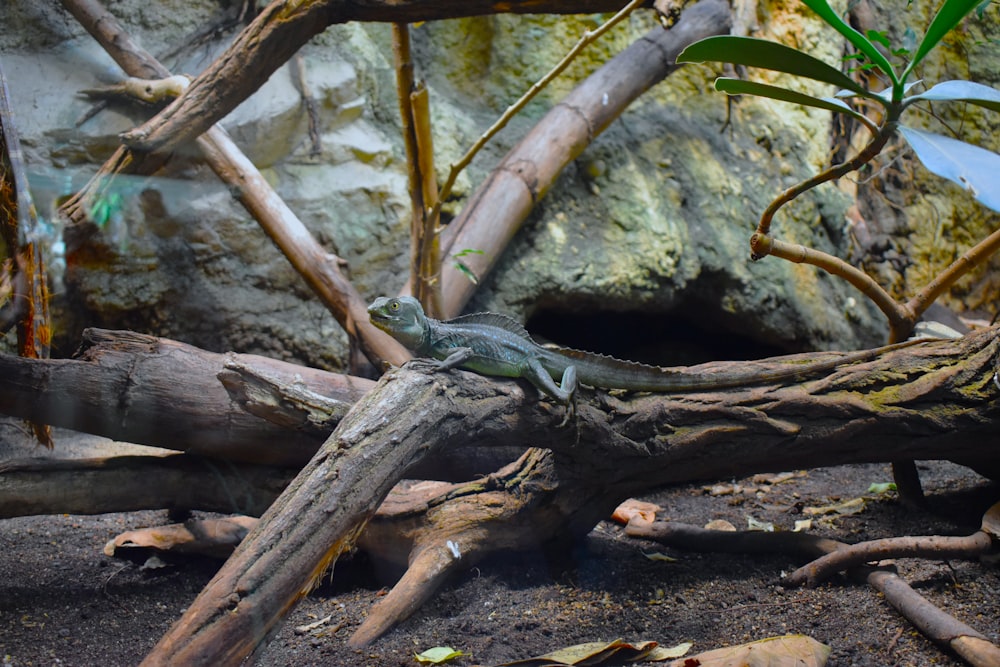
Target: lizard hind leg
{"x": 564, "y": 392}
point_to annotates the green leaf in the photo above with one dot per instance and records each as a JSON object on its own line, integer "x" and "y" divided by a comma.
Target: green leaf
{"x": 879, "y": 37}
{"x": 853, "y": 56}
{"x": 753, "y": 52}
{"x": 951, "y": 12}
{"x": 969, "y": 166}
{"x": 463, "y": 268}
{"x": 964, "y": 91}
{"x": 853, "y": 36}
{"x": 740, "y": 87}
{"x": 437, "y": 655}
{"x": 469, "y": 274}
{"x": 881, "y": 488}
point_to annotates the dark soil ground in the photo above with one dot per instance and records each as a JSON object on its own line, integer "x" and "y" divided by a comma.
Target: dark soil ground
{"x": 63, "y": 602}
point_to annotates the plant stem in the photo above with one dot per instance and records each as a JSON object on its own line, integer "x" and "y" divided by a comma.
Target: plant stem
{"x": 901, "y": 317}
{"x": 874, "y": 147}
{"x": 961, "y": 266}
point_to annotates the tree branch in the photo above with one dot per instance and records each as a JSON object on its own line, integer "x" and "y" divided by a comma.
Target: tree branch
{"x": 159, "y": 392}
{"x": 320, "y": 269}
{"x": 497, "y": 209}
{"x": 935, "y": 400}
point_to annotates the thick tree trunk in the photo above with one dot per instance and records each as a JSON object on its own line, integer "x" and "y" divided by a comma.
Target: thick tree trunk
{"x": 930, "y": 401}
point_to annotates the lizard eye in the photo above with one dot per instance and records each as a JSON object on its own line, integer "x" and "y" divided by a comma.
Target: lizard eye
{"x": 394, "y": 305}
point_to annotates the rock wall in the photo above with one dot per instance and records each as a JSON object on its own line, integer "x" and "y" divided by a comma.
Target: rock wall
{"x": 653, "y": 219}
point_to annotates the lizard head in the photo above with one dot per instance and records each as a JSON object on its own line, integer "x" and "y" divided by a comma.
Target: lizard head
{"x": 401, "y": 317}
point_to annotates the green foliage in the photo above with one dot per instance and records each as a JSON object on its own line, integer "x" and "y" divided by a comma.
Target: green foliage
{"x": 969, "y": 166}
{"x": 105, "y": 208}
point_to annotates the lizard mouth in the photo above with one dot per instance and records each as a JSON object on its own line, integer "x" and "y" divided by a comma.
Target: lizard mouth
{"x": 380, "y": 320}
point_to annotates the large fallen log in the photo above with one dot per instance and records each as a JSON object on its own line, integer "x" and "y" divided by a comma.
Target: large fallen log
{"x": 937, "y": 400}
{"x": 155, "y": 391}
{"x": 133, "y": 483}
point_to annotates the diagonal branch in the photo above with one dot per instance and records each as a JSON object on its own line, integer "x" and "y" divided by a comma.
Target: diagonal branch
{"x": 500, "y": 206}
{"x": 320, "y": 269}
{"x": 284, "y": 27}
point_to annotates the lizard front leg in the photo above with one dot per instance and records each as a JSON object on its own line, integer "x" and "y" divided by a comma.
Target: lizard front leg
{"x": 456, "y": 356}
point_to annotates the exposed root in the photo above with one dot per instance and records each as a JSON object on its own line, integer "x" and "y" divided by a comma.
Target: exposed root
{"x": 933, "y": 622}
{"x": 855, "y": 555}
{"x": 463, "y": 524}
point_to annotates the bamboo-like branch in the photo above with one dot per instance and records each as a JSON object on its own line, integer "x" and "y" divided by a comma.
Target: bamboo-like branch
{"x": 428, "y": 258}
{"x": 320, "y": 268}
{"x": 414, "y": 115}
{"x": 588, "y": 38}
{"x": 500, "y": 205}
{"x": 427, "y": 282}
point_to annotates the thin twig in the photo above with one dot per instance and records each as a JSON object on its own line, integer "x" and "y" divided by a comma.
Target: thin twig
{"x": 968, "y": 261}
{"x": 588, "y": 37}
{"x": 854, "y": 555}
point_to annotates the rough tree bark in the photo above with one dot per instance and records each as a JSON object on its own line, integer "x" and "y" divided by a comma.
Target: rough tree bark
{"x": 931, "y": 401}
{"x": 133, "y": 483}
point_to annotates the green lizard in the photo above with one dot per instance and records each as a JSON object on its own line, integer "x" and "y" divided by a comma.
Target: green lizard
{"x": 494, "y": 344}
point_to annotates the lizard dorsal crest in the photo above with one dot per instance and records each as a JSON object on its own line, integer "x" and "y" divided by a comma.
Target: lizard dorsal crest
{"x": 493, "y": 320}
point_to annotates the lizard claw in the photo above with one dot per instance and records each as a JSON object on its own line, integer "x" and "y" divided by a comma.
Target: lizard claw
{"x": 570, "y": 412}
{"x": 424, "y": 364}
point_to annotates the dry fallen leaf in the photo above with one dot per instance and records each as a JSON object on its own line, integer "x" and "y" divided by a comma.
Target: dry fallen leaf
{"x": 632, "y": 507}
{"x": 784, "y": 651}
{"x": 437, "y": 655}
{"x": 852, "y": 506}
{"x": 991, "y": 522}
{"x": 757, "y": 524}
{"x": 656, "y": 555}
{"x": 591, "y": 653}
{"x": 802, "y": 525}
{"x": 720, "y": 524}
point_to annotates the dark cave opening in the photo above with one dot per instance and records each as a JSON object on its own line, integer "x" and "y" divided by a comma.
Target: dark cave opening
{"x": 660, "y": 338}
